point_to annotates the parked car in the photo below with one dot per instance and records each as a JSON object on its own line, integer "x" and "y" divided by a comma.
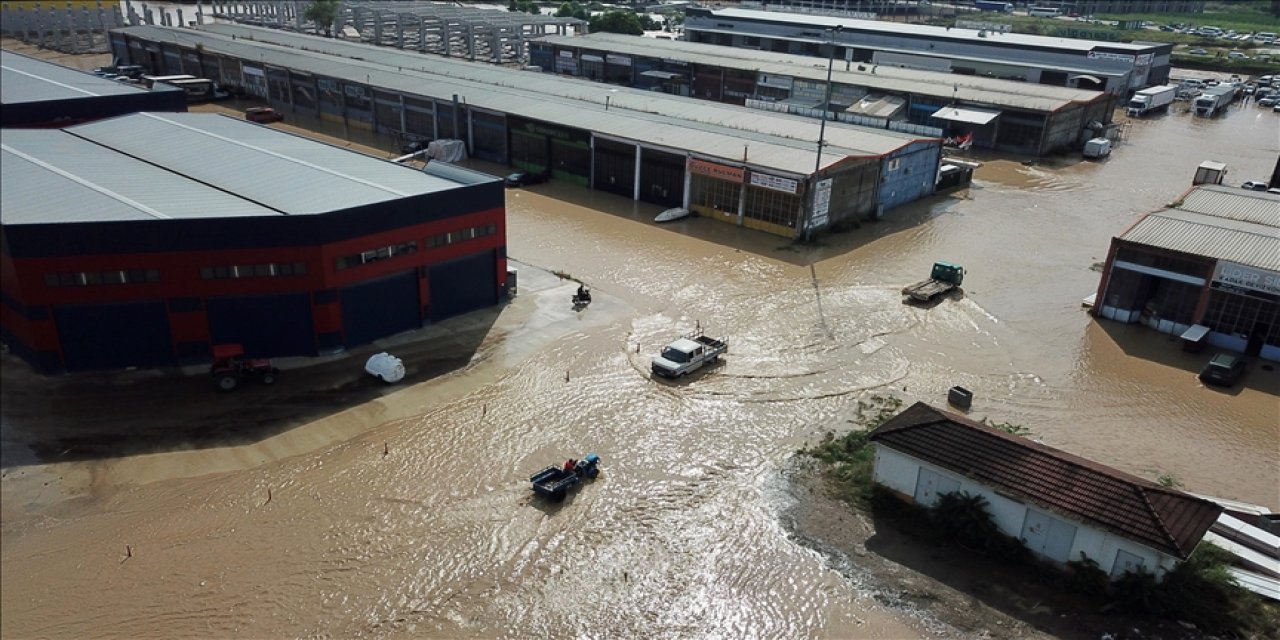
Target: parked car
{"x": 262, "y": 115}
{"x": 1269, "y": 101}
{"x": 1254, "y": 185}
{"x": 526, "y": 178}
{"x": 1236, "y": 55}
{"x": 1198, "y": 52}
{"x": 1224, "y": 369}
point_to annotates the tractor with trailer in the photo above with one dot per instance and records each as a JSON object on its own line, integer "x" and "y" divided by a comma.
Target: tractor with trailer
{"x": 944, "y": 278}
{"x": 230, "y": 367}
{"x": 555, "y": 482}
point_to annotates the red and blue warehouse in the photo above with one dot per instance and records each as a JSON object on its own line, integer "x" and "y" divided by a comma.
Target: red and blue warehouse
{"x": 143, "y": 240}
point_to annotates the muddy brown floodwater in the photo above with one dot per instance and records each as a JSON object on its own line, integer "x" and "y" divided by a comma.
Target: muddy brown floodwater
{"x": 684, "y": 534}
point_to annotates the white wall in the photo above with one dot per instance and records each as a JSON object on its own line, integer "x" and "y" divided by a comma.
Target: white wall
{"x": 899, "y": 471}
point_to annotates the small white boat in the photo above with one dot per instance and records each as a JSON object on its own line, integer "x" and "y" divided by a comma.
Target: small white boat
{"x": 672, "y": 214}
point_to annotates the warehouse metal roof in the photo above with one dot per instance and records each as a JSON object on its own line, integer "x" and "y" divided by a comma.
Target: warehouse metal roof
{"x": 777, "y": 141}
{"x": 964, "y": 88}
{"x": 1234, "y": 203}
{"x": 922, "y": 30}
{"x": 24, "y": 79}
{"x": 189, "y": 165}
{"x": 1217, "y": 222}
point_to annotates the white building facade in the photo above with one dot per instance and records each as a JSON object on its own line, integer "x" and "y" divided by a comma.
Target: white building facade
{"x": 1048, "y": 535}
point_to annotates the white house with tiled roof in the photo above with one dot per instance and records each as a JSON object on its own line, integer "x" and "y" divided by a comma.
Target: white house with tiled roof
{"x": 1061, "y": 506}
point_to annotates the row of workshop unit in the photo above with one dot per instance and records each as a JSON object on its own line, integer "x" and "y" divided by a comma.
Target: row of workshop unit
{"x": 1067, "y": 57}
{"x": 1206, "y": 269}
{"x": 742, "y": 166}
{"x": 999, "y": 114}
{"x": 145, "y": 240}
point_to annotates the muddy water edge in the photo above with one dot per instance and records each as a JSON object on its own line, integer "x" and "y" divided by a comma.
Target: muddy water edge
{"x": 684, "y": 534}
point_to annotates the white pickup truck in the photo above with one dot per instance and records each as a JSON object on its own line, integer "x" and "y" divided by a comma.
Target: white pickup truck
{"x": 688, "y": 354}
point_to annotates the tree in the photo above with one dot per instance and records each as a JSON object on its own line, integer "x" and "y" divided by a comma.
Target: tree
{"x": 617, "y": 22}
{"x": 323, "y": 13}
{"x": 572, "y": 10}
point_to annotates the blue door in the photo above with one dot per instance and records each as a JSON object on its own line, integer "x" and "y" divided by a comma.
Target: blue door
{"x": 114, "y": 336}
{"x": 268, "y": 325}
{"x": 463, "y": 285}
{"x": 379, "y": 308}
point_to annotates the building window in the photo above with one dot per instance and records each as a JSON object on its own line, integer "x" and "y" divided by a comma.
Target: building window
{"x": 268, "y": 270}
{"x": 94, "y": 278}
{"x": 375, "y": 255}
{"x": 461, "y": 235}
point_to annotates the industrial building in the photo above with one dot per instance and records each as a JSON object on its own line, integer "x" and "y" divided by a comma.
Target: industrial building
{"x": 484, "y": 33}
{"x": 146, "y": 239}
{"x": 1000, "y": 114}
{"x": 36, "y": 93}
{"x": 1209, "y": 262}
{"x": 742, "y": 166}
{"x": 1115, "y": 67}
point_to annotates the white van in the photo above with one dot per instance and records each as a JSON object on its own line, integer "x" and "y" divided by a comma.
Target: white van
{"x": 1044, "y": 12}
{"x": 1265, "y": 37}
{"x": 1210, "y": 32}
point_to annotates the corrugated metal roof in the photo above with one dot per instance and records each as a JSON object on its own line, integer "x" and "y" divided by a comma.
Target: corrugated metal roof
{"x": 1082, "y": 490}
{"x": 24, "y": 79}
{"x": 966, "y": 89}
{"x": 52, "y": 176}
{"x": 1237, "y": 204}
{"x": 937, "y": 33}
{"x": 1200, "y": 234}
{"x": 776, "y": 141}
{"x": 189, "y": 165}
{"x": 280, "y": 170}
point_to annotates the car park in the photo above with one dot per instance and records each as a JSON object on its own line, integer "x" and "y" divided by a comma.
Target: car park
{"x": 1254, "y": 185}
{"x": 1223, "y": 369}
{"x": 262, "y": 115}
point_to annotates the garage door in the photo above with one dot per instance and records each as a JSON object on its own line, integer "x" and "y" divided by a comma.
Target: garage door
{"x": 268, "y": 326}
{"x": 379, "y": 308}
{"x": 463, "y": 285}
{"x": 114, "y": 336}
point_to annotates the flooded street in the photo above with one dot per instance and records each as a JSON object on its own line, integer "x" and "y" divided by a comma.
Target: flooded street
{"x": 411, "y": 515}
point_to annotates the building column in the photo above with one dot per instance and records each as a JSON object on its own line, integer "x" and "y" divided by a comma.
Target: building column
{"x": 635, "y": 192}
{"x": 688, "y": 183}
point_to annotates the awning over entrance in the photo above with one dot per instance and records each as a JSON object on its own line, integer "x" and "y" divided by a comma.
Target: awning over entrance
{"x": 968, "y": 115}
{"x": 661, "y": 75}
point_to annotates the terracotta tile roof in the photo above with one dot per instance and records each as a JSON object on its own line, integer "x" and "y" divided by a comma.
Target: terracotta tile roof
{"x": 1081, "y": 490}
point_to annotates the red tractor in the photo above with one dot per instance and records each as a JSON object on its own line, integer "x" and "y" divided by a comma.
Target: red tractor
{"x": 230, "y": 367}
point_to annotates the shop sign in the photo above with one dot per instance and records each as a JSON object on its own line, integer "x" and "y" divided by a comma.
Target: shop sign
{"x": 587, "y": 57}
{"x": 565, "y": 54}
{"x": 821, "y": 203}
{"x": 717, "y": 171}
{"x": 1250, "y": 278}
{"x": 622, "y": 60}
{"x": 777, "y": 183}
{"x": 1103, "y": 55}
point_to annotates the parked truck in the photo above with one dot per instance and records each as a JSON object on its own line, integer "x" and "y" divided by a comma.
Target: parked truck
{"x": 944, "y": 278}
{"x": 688, "y": 354}
{"x": 555, "y": 482}
{"x": 1215, "y": 100}
{"x": 1151, "y": 99}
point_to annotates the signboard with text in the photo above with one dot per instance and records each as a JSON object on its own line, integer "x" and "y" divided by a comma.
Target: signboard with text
{"x": 1248, "y": 278}
{"x": 821, "y": 203}
{"x": 776, "y": 183}
{"x": 717, "y": 171}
